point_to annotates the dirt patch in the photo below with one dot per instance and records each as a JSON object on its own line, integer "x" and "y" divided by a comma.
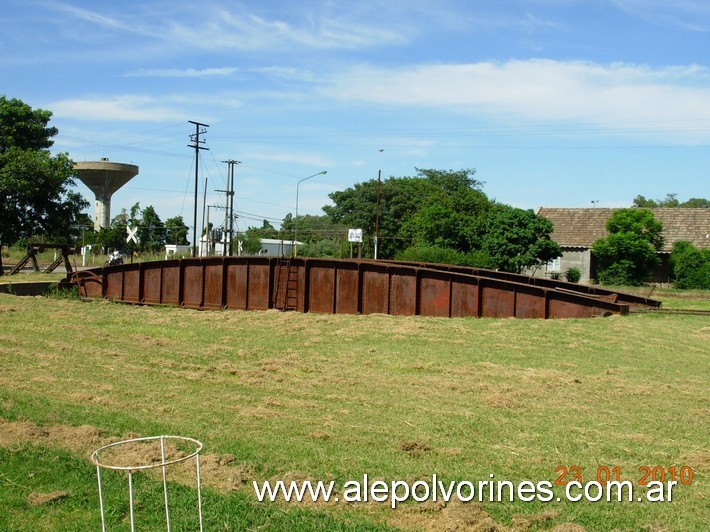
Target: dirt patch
{"x": 40, "y": 499}
{"x": 414, "y": 448}
{"x": 456, "y": 516}
{"x": 221, "y": 472}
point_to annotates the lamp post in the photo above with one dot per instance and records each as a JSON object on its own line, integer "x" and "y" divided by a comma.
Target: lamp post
{"x": 295, "y": 220}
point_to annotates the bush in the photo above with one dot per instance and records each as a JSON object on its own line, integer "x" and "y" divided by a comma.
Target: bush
{"x": 444, "y": 255}
{"x": 573, "y": 275}
{"x": 432, "y": 254}
{"x": 691, "y": 266}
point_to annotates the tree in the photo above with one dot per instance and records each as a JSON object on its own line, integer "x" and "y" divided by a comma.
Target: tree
{"x": 627, "y": 255}
{"x": 517, "y": 239}
{"x": 34, "y": 195}
{"x": 176, "y": 231}
{"x": 691, "y": 266}
{"x": 670, "y": 201}
{"x": 436, "y": 207}
{"x": 151, "y": 233}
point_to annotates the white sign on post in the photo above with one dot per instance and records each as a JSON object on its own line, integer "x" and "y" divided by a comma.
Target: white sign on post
{"x": 131, "y": 234}
{"x": 354, "y": 235}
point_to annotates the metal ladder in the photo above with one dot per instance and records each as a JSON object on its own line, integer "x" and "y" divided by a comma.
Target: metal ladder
{"x": 286, "y": 289}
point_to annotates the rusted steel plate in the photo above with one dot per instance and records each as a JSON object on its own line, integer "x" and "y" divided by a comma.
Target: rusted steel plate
{"x": 594, "y": 291}
{"x": 375, "y": 290}
{"x": 435, "y": 294}
{"x": 170, "y": 279}
{"x": 403, "y": 292}
{"x": 131, "y": 283}
{"x": 192, "y": 279}
{"x": 237, "y": 285}
{"x": 529, "y": 303}
{"x": 213, "y": 284}
{"x": 464, "y": 298}
{"x": 152, "y": 282}
{"x": 346, "y": 295}
{"x": 259, "y": 286}
{"x": 497, "y": 299}
{"x": 339, "y": 286}
{"x": 114, "y": 282}
{"x": 321, "y": 296}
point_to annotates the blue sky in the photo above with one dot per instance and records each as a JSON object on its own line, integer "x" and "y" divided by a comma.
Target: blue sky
{"x": 555, "y": 103}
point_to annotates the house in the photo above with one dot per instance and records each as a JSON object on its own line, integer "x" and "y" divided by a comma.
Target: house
{"x": 576, "y": 230}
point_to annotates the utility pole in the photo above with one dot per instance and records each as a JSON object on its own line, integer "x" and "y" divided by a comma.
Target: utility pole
{"x": 229, "y": 214}
{"x": 196, "y": 144}
{"x": 377, "y": 215}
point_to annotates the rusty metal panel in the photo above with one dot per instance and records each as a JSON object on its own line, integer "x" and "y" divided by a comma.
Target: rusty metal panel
{"x": 464, "y": 297}
{"x": 89, "y": 283}
{"x": 435, "y": 292}
{"x": 529, "y": 303}
{"x": 152, "y": 280}
{"x": 321, "y": 288}
{"x": 237, "y": 284}
{"x": 560, "y": 308}
{"x": 343, "y": 286}
{"x": 212, "y": 297}
{"x": 375, "y": 290}
{"x": 347, "y": 291}
{"x": 403, "y": 292}
{"x": 114, "y": 283}
{"x": 497, "y": 300}
{"x": 259, "y": 284}
{"x": 171, "y": 282}
{"x": 131, "y": 284}
{"x": 192, "y": 279}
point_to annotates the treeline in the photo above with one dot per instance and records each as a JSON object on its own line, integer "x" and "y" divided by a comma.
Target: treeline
{"x": 433, "y": 216}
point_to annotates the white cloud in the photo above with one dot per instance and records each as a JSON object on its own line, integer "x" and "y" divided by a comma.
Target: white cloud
{"x": 229, "y": 29}
{"x": 182, "y": 73}
{"x": 540, "y": 89}
{"x": 125, "y": 108}
{"x": 687, "y": 14}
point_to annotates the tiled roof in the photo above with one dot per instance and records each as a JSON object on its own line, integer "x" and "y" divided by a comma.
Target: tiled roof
{"x": 581, "y": 227}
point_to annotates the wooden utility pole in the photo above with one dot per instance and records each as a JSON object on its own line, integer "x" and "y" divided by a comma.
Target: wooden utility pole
{"x": 195, "y": 138}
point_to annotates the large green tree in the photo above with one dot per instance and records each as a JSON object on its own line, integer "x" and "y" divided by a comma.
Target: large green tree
{"x": 176, "y": 231}
{"x": 627, "y": 255}
{"x": 151, "y": 232}
{"x": 34, "y": 185}
{"x": 435, "y": 207}
{"x": 516, "y": 239}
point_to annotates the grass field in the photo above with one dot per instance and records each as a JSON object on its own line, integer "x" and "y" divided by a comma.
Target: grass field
{"x": 306, "y": 396}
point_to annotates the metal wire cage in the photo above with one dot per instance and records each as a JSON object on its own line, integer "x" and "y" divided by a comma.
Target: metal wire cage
{"x": 105, "y": 463}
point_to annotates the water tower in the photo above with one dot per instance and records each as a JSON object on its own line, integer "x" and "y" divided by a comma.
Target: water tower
{"x": 104, "y": 178}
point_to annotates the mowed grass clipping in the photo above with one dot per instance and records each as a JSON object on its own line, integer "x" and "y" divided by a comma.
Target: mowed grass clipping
{"x": 306, "y": 396}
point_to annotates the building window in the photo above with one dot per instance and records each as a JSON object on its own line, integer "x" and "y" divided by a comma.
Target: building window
{"x": 553, "y": 265}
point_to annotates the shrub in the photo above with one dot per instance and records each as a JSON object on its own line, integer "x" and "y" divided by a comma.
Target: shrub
{"x": 573, "y": 275}
{"x": 691, "y": 266}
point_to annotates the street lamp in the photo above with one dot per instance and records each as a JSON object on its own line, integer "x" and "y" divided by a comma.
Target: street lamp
{"x": 295, "y": 220}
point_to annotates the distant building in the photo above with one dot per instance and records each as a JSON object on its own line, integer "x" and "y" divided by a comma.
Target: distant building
{"x": 576, "y": 230}
{"x": 275, "y": 247}
{"x": 177, "y": 251}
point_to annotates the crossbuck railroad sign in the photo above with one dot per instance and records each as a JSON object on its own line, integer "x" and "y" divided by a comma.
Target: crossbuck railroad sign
{"x": 131, "y": 234}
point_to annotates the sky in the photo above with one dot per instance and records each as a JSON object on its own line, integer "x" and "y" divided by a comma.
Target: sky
{"x": 556, "y": 103}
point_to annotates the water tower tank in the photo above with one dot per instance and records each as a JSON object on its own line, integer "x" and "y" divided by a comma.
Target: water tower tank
{"x": 104, "y": 178}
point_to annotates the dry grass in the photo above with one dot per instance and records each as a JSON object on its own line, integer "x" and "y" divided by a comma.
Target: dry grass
{"x": 286, "y": 395}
